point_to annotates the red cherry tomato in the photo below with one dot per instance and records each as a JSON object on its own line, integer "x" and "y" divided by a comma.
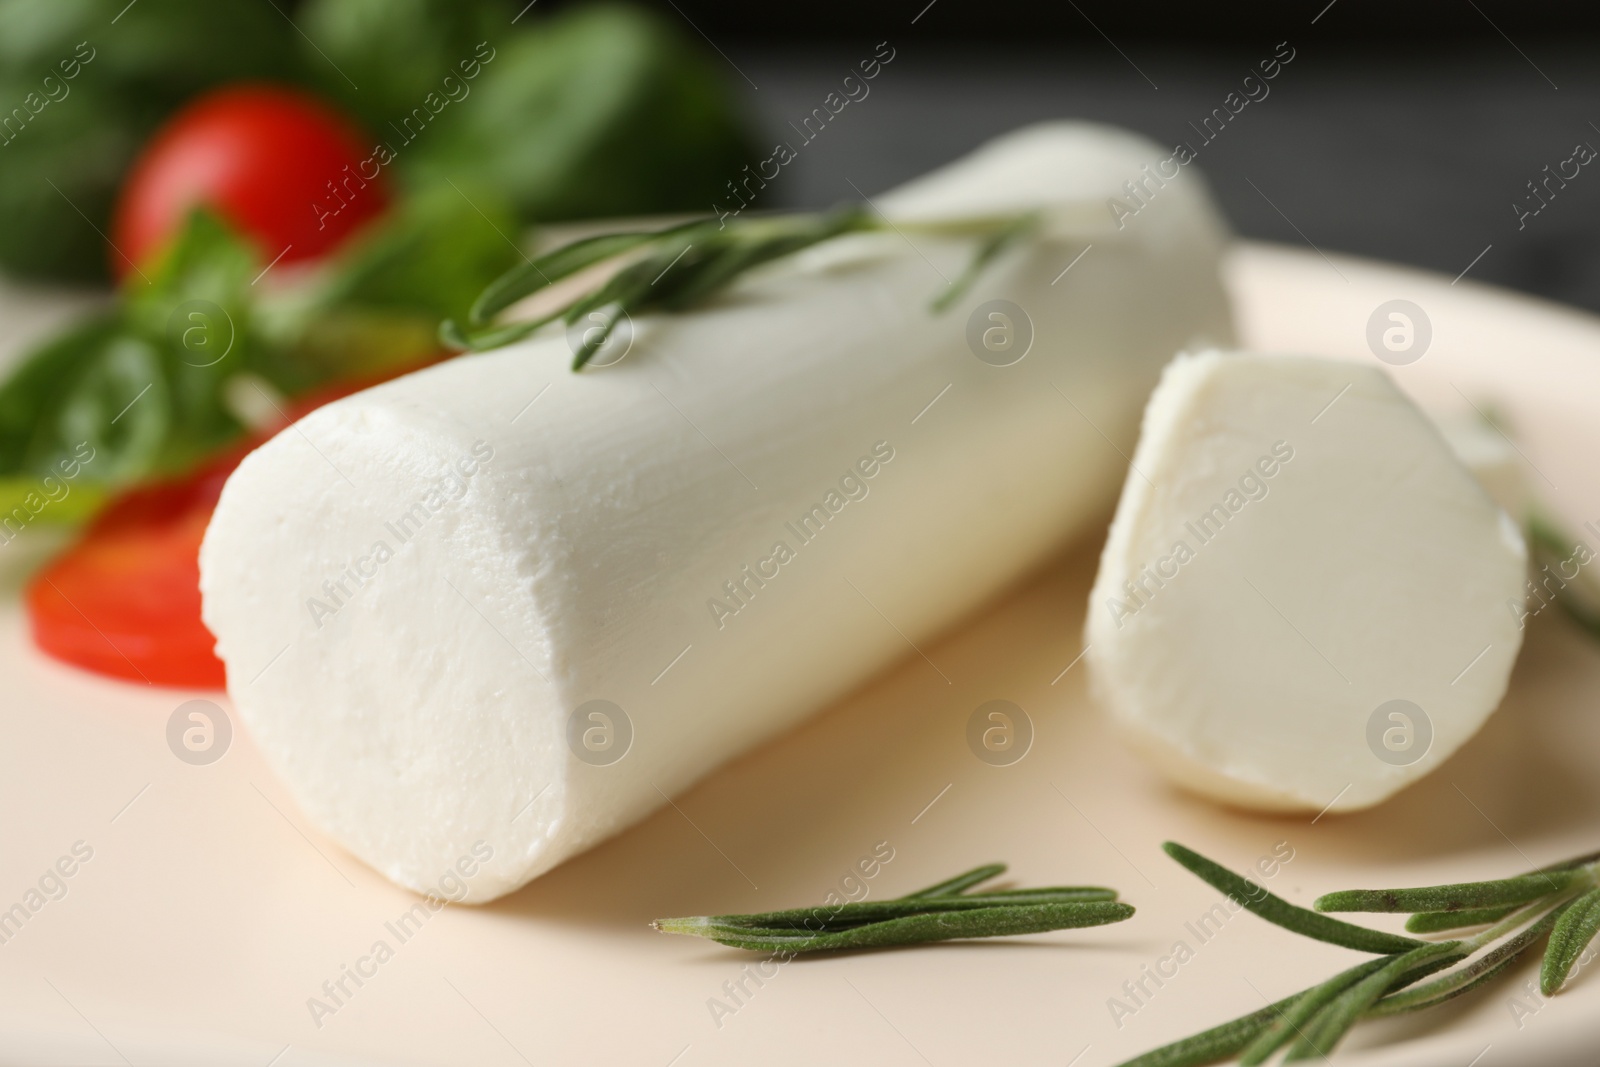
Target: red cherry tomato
{"x": 286, "y": 170}
{"x": 125, "y": 599}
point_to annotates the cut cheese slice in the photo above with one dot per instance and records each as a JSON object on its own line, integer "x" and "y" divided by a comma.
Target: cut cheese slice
{"x": 1304, "y": 602}
{"x": 499, "y": 606}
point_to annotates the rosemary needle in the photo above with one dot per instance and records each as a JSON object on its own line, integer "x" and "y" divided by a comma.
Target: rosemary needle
{"x": 1560, "y": 902}
{"x": 1468, "y": 895}
{"x": 1280, "y": 912}
{"x": 1572, "y": 932}
{"x": 941, "y": 912}
{"x": 1433, "y": 922}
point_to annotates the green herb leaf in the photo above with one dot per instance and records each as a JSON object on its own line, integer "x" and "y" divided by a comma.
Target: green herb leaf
{"x": 1219, "y": 1043}
{"x": 1274, "y": 909}
{"x": 1550, "y": 545}
{"x": 1427, "y": 922}
{"x": 941, "y": 912}
{"x": 686, "y": 265}
{"x": 1297, "y": 1015}
{"x": 961, "y": 882}
{"x": 988, "y": 250}
{"x": 527, "y": 279}
{"x": 1573, "y": 931}
{"x": 842, "y": 916}
{"x": 683, "y": 265}
{"x": 141, "y": 390}
{"x": 1433, "y": 922}
{"x": 942, "y": 925}
{"x": 431, "y": 257}
{"x": 399, "y": 51}
{"x": 600, "y": 110}
{"x": 1459, "y": 897}
{"x": 1335, "y": 1019}
{"x": 67, "y": 392}
{"x": 1585, "y": 860}
{"x": 51, "y": 498}
{"x": 1463, "y": 980}
{"x": 1318, "y": 1018}
{"x": 109, "y": 87}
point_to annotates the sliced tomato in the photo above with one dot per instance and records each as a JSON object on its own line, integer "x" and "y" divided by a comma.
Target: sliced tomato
{"x": 125, "y": 599}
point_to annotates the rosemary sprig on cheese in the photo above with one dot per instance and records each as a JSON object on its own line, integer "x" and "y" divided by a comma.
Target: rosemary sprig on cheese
{"x": 1559, "y": 904}
{"x": 942, "y": 912}
{"x": 684, "y": 265}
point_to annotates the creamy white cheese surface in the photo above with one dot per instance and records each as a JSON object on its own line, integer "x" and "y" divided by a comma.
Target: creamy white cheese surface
{"x": 499, "y": 606}
{"x": 1303, "y": 600}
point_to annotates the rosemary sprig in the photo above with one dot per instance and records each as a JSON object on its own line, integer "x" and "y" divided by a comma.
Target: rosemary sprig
{"x": 989, "y": 249}
{"x": 1280, "y": 912}
{"x": 681, "y": 266}
{"x": 1465, "y": 979}
{"x": 941, "y": 912}
{"x": 1560, "y": 901}
{"x": 1568, "y": 908}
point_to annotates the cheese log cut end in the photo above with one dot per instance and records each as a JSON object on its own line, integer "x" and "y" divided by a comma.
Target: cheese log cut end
{"x": 1302, "y": 603}
{"x": 373, "y": 624}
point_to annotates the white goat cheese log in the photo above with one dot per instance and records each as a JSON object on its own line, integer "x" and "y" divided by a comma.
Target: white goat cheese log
{"x": 499, "y": 604}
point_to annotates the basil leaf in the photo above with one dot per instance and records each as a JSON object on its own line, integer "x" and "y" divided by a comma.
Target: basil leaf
{"x": 82, "y": 95}
{"x": 599, "y": 110}
{"x": 140, "y": 390}
{"x": 399, "y": 51}
{"x": 94, "y": 392}
{"x": 433, "y": 258}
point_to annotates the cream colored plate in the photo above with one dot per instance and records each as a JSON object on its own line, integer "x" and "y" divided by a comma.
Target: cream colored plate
{"x": 210, "y": 912}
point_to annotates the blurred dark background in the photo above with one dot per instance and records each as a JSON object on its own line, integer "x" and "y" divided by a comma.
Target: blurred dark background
{"x": 1407, "y": 130}
{"x": 1404, "y": 130}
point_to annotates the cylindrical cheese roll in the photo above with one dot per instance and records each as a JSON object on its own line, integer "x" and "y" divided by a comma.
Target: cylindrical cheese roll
{"x": 495, "y": 611}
